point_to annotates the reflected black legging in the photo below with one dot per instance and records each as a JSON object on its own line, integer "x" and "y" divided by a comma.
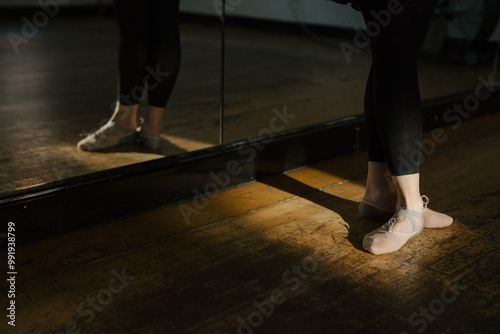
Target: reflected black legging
{"x": 392, "y": 99}
{"x": 149, "y": 50}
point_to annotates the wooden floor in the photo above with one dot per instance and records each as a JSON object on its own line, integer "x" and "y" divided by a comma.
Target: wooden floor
{"x": 282, "y": 255}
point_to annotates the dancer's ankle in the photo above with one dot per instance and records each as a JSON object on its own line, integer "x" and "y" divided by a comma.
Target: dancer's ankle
{"x": 383, "y": 199}
{"x": 125, "y": 116}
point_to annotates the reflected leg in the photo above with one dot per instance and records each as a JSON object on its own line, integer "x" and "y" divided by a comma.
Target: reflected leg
{"x": 163, "y": 65}
{"x": 132, "y": 59}
{"x": 163, "y": 50}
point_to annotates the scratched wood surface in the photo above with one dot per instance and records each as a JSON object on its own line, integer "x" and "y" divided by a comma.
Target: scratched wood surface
{"x": 282, "y": 255}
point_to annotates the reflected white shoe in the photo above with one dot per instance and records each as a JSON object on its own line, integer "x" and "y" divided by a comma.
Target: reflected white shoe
{"x": 384, "y": 240}
{"x": 109, "y": 135}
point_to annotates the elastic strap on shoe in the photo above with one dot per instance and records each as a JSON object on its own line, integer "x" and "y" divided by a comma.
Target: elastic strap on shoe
{"x": 410, "y": 214}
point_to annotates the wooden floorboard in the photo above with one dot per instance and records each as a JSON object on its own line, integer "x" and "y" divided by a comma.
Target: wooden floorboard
{"x": 293, "y": 239}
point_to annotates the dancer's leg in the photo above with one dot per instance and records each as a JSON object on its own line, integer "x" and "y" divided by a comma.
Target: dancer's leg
{"x": 163, "y": 64}
{"x": 380, "y": 193}
{"x": 153, "y": 122}
{"x": 398, "y": 117}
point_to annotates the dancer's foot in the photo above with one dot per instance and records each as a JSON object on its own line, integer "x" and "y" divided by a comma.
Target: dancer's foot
{"x": 109, "y": 135}
{"x": 378, "y": 211}
{"x": 405, "y": 224}
{"x": 434, "y": 219}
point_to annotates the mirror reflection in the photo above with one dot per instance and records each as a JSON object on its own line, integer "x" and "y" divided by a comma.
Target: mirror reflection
{"x": 288, "y": 64}
{"x": 313, "y": 58}
{"x": 60, "y": 76}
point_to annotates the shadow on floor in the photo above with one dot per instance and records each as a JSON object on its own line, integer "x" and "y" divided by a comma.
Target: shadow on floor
{"x": 166, "y": 148}
{"x": 348, "y": 210}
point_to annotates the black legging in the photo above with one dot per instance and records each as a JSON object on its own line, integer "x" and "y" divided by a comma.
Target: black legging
{"x": 392, "y": 99}
{"x": 149, "y": 50}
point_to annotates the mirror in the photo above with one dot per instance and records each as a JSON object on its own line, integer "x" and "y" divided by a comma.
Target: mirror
{"x": 286, "y": 67}
{"x": 59, "y": 83}
{"x": 278, "y": 65}
{"x": 298, "y": 55}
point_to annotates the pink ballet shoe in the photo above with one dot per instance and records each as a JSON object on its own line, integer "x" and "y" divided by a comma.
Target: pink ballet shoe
{"x": 432, "y": 219}
{"x": 384, "y": 240}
